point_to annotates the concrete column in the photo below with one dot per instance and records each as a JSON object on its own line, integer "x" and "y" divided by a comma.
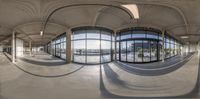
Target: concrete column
{"x": 163, "y": 44}
{"x": 30, "y": 48}
{"x": 13, "y": 47}
{"x": 68, "y": 46}
{"x": 51, "y": 48}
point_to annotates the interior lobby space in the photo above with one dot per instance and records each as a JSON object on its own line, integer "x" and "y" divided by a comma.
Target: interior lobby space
{"x": 99, "y": 49}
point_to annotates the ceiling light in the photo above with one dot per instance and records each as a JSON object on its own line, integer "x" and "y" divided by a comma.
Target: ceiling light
{"x": 41, "y": 33}
{"x": 133, "y": 9}
{"x": 184, "y": 37}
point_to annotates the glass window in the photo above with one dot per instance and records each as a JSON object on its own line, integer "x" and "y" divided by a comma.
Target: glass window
{"x": 90, "y": 48}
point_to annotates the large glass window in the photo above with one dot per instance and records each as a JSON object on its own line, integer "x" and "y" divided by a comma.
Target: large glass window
{"x": 144, "y": 45}
{"x": 92, "y": 46}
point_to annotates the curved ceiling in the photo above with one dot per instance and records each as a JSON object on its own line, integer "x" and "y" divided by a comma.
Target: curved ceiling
{"x": 27, "y": 17}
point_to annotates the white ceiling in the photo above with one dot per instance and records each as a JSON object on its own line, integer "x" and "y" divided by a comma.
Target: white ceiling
{"x": 27, "y": 17}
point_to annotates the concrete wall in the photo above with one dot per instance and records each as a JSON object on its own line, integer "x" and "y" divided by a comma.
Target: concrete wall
{"x": 19, "y": 47}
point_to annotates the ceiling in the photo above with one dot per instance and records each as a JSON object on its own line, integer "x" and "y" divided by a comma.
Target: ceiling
{"x": 27, "y": 17}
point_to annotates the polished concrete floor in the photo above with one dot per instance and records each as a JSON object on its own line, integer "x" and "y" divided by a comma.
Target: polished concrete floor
{"x": 45, "y": 77}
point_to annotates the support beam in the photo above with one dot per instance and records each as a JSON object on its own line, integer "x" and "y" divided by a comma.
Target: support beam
{"x": 13, "y": 47}
{"x": 68, "y": 46}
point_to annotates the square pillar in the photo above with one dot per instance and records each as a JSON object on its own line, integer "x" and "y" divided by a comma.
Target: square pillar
{"x": 13, "y": 47}
{"x": 68, "y": 46}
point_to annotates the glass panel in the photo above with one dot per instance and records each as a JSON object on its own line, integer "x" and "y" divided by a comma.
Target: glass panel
{"x": 123, "y": 51}
{"x": 79, "y": 51}
{"x": 146, "y": 51}
{"x": 130, "y": 51}
{"x": 93, "y": 51}
{"x": 138, "y": 51}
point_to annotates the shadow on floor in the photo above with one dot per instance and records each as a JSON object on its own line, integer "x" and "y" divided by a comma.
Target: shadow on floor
{"x": 49, "y": 63}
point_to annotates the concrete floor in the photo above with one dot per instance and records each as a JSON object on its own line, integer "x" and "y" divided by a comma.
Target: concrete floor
{"x": 46, "y": 77}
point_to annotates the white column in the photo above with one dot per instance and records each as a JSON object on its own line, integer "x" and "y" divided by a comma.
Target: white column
{"x": 51, "y": 48}
{"x": 13, "y": 47}
{"x": 163, "y": 44}
{"x": 30, "y": 48}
